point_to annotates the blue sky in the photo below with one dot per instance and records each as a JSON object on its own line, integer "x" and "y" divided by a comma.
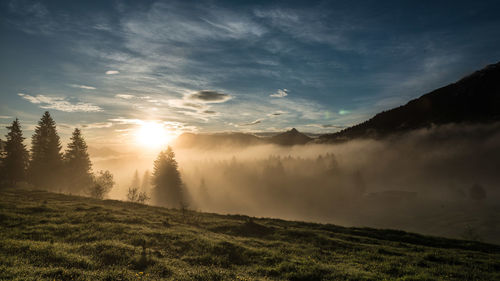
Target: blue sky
{"x": 211, "y": 66}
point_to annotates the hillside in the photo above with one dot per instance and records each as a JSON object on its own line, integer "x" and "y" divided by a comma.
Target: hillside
{"x": 48, "y": 236}
{"x": 473, "y": 99}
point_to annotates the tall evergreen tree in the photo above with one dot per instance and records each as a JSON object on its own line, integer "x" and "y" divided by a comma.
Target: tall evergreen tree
{"x": 78, "y": 168}
{"x": 146, "y": 181}
{"x": 15, "y": 161}
{"x": 46, "y": 159}
{"x": 167, "y": 183}
{"x": 136, "y": 182}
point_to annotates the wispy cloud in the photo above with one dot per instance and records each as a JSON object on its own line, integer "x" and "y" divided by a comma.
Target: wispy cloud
{"x": 208, "y": 96}
{"x": 280, "y": 93}
{"x": 83, "y": 87}
{"x": 276, "y": 113}
{"x": 5, "y": 117}
{"x": 326, "y": 126}
{"x": 98, "y": 125}
{"x": 112, "y": 72}
{"x": 258, "y": 121}
{"x": 60, "y": 103}
{"x": 125, "y": 96}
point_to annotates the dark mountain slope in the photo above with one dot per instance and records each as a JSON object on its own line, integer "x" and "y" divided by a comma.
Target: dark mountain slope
{"x": 473, "y": 99}
{"x": 292, "y": 137}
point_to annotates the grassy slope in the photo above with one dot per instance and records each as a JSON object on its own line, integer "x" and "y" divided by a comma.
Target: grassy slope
{"x": 53, "y": 236}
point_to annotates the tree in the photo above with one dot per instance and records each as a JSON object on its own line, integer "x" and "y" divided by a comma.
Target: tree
{"x": 103, "y": 183}
{"x": 15, "y": 161}
{"x": 136, "y": 182}
{"x": 46, "y": 160}
{"x": 78, "y": 166}
{"x": 167, "y": 183}
{"x": 134, "y": 195}
{"x": 146, "y": 181}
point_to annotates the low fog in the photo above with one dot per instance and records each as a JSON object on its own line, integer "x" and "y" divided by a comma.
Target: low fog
{"x": 441, "y": 181}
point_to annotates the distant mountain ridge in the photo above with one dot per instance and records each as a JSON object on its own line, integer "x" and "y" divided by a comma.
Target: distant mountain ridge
{"x": 288, "y": 138}
{"x": 473, "y": 99}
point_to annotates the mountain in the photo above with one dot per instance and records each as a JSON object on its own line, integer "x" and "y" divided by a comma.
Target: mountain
{"x": 292, "y": 137}
{"x": 235, "y": 139}
{"x": 472, "y": 99}
{"x": 189, "y": 140}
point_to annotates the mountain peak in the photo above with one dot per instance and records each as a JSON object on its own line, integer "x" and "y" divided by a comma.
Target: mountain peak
{"x": 292, "y": 137}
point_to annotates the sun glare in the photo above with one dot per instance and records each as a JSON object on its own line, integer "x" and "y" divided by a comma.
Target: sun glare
{"x": 153, "y": 135}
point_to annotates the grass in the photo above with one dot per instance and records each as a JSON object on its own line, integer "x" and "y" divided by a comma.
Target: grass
{"x": 48, "y": 236}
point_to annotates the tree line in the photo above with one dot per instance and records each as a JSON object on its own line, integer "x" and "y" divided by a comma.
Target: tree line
{"x": 46, "y": 167}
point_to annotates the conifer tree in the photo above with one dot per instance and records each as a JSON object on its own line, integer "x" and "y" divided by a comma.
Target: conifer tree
{"x": 167, "y": 183}
{"x": 15, "y": 161}
{"x": 46, "y": 160}
{"x": 146, "y": 181}
{"x": 78, "y": 167}
{"x": 136, "y": 182}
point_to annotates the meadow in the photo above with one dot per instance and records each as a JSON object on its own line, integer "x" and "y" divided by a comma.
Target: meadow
{"x": 50, "y": 236}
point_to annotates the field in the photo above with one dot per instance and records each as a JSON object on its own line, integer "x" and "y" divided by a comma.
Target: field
{"x": 48, "y": 236}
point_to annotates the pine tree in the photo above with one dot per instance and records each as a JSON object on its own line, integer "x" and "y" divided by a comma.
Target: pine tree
{"x": 146, "y": 181}
{"x": 16, "y": 156}
{"x": 78, "y": 167}
{"x": 136, "y": 182}
{"x": 167, "y": 183}
{"x": 46, "y": 160}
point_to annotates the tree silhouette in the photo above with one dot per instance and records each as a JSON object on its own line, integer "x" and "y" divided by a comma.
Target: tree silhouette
{"x": 134, "y": 194}
{"x": 167, "y": 183}
{"x": 78, "y": 166}
{"x": 103, "y": 183}
{"x": 136, "y": 182}
{"x": 46, "y": 159}
{"x": 146, "y": 181}
{"x": 16, "y": 156}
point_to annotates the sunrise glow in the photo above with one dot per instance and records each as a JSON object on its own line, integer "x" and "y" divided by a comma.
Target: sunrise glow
{"x": 153, "y": 135}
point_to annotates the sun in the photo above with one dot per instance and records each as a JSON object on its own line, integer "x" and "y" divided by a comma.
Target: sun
{"x": 152, "y": 134}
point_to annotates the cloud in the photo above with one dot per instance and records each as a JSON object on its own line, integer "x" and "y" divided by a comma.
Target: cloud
{"x": 83, "y": 87}
{"x": 344, "y": 112}
{"x": 281, "y": 93}
{"x": 112, "y": 72}
{"x": 5, "y": 117}
{"x": 258, "y": 121}
{"x": 60, "y": 103}
{"x": 276, "y": 113}
{"x": 326, "y": 126}
{"x": 125, "y": 96}
{"x": 208, "y": 96}
{"x": 98, "y": 125}
{"x": 126, "y": 121}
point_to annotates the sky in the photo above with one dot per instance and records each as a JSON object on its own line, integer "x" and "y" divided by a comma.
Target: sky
{"x": 113, "y": 67}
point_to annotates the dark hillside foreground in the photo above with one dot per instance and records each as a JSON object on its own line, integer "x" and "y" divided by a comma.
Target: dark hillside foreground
{"x": 48, "y": 236}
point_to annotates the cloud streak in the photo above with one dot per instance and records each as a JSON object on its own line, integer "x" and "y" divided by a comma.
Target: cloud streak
{"x": 280, "y": 93}
{"x": 83, "y": 87}
{"x": 60, "y": 103}
{"x": 209, "y": 96}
